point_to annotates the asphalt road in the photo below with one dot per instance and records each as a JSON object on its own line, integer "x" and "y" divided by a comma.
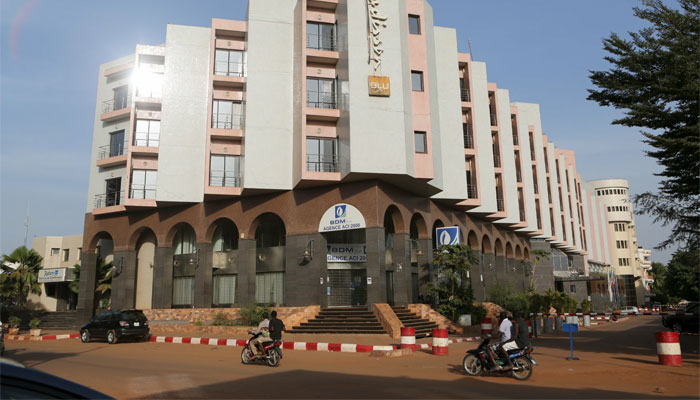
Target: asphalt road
{"x": 617, "y": 361}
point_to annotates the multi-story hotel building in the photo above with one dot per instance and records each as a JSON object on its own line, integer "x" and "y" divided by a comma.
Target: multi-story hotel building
{"x": 308, "y": 154}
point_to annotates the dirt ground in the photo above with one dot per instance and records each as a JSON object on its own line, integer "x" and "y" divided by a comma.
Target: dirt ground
{"x": 617, "y": 361}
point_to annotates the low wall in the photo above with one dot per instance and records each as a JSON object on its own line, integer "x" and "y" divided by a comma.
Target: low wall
{"x": 386, "y": 316}
{"x": 425, "y": 312}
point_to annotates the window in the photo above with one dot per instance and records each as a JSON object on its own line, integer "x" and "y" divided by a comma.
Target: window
{"x": 80, "y": 250}
{"x": 229, "y": 63}
{"x": 225, "y": 171}
{"x": 224, "y": 290}
{"x": 421, "y": 146}
{"x": 226, "y": 237}
{"x": 120, "y": 97}
{"x": 572, "y": 288}
{"x": 623, "y": 262}
{"x": 150, "y": 84}
{"x": 116, "y": 143}
{"x": 54, "y": 252}
{"x": 66, "y": 253}
{"x": 320, "y": 36}
{"x": 113, "y": 188}
{"x": 143, "y": 184}
{"x": 321, "y": 155}
{"x": 320, "y": 93}
{"x": 414, "y": 24}
{"x": 269, "y": 288}
{"x": 183, "y": 291}
{"x": 417, "y": 81}
{"x": 184, "y": 241}
{"x": 147, "y": 133}
{"x": 226, "y": 115}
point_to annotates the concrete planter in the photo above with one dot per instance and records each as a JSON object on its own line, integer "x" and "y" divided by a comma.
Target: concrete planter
{"x": 13, "y": 331}
{"x": 586, "y": 320}
{"x": 35, "y": 332}
{"x": 548, "y": 325}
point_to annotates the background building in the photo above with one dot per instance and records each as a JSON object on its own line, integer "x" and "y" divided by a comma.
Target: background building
{"x": 60, "y": 254}
{"x": 287, "y": 159}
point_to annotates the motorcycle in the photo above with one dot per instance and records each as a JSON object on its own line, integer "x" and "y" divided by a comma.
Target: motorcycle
{"x": 271, "y": 354}
{"x": 477, "y": 361}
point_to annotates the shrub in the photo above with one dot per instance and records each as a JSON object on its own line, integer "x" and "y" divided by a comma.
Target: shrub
{"x": 198, "y": 322}
{"x": 252, "y": 314}
{"x": 499, "y": 294}
{"x": 478, "y": 312}
{"x": 14, "y": 321}
{"x": 34, "y": 323}
{"x": 586, "y": 306}
{"x": 221, "y": 319}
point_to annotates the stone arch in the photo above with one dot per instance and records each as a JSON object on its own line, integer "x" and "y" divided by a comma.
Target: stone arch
{"x": 396, "y": 217}
{"x": 144, "y": 247}
{"x": 509, "y": 250}
{"x": 486, "y": 245}
{"x": 270, "y": 230}
{"x": 136, "y": 236}
{"x": 226, "y": 240}
{"x": 436, "y": 224}
{"x": 518, "y": 253}
{"x": 526, "y": 254}
{"x": 95, "y": 241}
{"x": 183, "y": 238}
{"x": 498, "y": 248}
{"x": 473, "y": 241}
{"x": 418, "y": 228}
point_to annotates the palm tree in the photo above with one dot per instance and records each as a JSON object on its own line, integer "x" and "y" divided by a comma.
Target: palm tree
{"x": 19, "y": 282}
{"x": 103, "y": 280}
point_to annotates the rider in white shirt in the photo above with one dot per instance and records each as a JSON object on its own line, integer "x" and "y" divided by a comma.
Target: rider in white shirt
{"x": 261, "y": 335}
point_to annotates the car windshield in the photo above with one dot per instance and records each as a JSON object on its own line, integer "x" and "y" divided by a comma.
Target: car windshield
{"x": 133, "y": 315}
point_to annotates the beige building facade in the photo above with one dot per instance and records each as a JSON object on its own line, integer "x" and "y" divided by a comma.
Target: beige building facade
{"x": 59, "y": 254}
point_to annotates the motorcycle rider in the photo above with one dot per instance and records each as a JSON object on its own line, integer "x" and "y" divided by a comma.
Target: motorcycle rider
{"x": 522, "y": 336}
{"x": 505, "y": 333}
{"x": 276, "y": 327}
{"x": 261, "y": 335}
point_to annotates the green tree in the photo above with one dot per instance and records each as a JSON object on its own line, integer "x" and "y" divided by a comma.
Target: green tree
{"x": 103, "y": 282}
{"x": 655, "y": 78}
{"x": 453, "y": 262}
{"x": 683, "y": 277}
{"x": 537, "y": 256}
{"x": 661, "y": 294}
{"x": 19, "y": 282}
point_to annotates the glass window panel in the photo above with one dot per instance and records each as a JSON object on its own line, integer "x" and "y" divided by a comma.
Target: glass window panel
{"x": 420, "y": 142}
{"x": 414, "y": 24}
{"x": 183, "y": 291}
{"x": 224, "y": 289}
{"x": 269, "y": 288}
{"x": 417, "y": 81}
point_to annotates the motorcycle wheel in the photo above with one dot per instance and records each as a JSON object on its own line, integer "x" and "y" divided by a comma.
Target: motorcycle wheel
{"x": 246, "y": 355}
{"x": 472, "y": 365}
{"x": 274, "y": 359}
{"x": 522, "y": 369}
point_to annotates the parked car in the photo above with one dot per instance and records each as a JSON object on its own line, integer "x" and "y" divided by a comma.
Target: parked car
{"x": 19, "y": 382}
{"x": 629, "y": 309}
{"x": 682, "y": 322}
{"x": 114, "y": 325}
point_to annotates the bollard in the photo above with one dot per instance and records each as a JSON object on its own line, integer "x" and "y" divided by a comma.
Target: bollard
{"x": 586, "y": 320}
{"x": 538, "y": 326}
{"x": 408, "y": 338}
{"x": 558, "y": 322}
{"x": 529, "y": 328}
{"x": 668, "y": 348}
{"x": 548, "y": 328}
{"x": 486, "y": 326}
{"x": 439, "y": 342}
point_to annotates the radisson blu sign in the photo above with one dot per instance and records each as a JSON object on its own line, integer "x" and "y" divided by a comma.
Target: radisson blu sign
{"x": 341, "y": 217}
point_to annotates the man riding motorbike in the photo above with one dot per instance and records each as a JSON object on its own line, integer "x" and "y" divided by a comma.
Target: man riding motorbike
{"x": 506, "y": 332}
{"x": 261, "y": 336}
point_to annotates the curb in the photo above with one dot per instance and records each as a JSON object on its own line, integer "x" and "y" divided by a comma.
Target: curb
{"x": 47, "y": 337}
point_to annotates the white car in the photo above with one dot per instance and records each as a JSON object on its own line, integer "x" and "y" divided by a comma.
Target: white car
{"x": 629, "y": 309}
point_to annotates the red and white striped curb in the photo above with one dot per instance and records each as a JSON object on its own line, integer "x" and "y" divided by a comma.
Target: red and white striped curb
{"x": 47, "y": 337}
{"x": 309, "y": 346}
{"x": 631, "y": 313}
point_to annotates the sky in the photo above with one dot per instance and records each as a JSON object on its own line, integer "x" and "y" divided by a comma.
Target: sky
{"x": 50, "y": 52}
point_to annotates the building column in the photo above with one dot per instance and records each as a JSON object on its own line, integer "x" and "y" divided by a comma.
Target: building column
{"x": 163, "y": 278}
{"x": 544, "y": 274}
{"x": 86, "y": 293}
{"x": 376, "y": 268}
{"x": 302, "y": 276}
{"x": 246, "y": 272}
{"x": 203, "y": 276}
{"x": 488, "y": 268}
{"x": 402, "y": 269}
{"x": 424, "y": 266}
{"x": 499, "y": 268}
{"x": 124, "y": 282}
{"x": 476, "y": 273}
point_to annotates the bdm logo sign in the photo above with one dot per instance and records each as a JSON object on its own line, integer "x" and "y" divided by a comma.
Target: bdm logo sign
{"x": 341, "y": 217}
{"x": 448, "y": 235}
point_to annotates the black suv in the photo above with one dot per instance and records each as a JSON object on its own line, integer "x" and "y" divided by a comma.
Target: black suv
{"x": 114, "y": 325}
{"x": 681, "y": 322}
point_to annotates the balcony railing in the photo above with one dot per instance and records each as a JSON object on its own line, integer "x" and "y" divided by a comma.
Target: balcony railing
{"x": 535, "y": 187}
{"x": 321, "y": 163}
{"x": 549, "y": 194}
{"x": 539, "y": 223}
{"x": 515, "y": 139}
{"x": 522, "y": 215}
{"x": 321, "y": 100}
{"x": 111, "y": 150}
{"x": 141, "y": 192}
{"x": 472, "y": 192}
{"x": 494, "y": 119}
{"x": 227, "y": 121}
{"x": 229, "y": 68}
{"x": 500, "y": 205}
{"x": 225, "y": 179}
{"x": 115, "y": 104}
{"x": 109, "y": 199}
{"x": 497, "y": 161}
{"x": 468, "y": 139}
{"x": 321, "y": 42}
{"x": 518, "y": 175}
{"x": 465, "y": 94}
{"x": 532, "y": 154}
{"x": 144, "y": 139}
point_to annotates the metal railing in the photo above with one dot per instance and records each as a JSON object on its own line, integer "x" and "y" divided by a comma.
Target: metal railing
{"x": 141, "y": 192}
{"x": 229, "y": 68}
{"x": 549, "y": 194}
{"x": 532, "y": 154}
{"x": 227, "y": 121}
{"x": 322, "y": 163}
{"x": 115, "y": 104}
{"x": 321, "y": 100}
{"x": 535, "y": 187}
{"x": 145, "y": 139}
{"x": 497, "y": 161}
{"x": 111, "y": 150}
{"x": 522, "y": 215}
{"x": 515, "y": 139}
{"x": 468, "y": 139}
{"x": 539, "y": 222}
{"x": 518, "y": 175}
{"x": 472, "y": 192}
{"x": 225, "y": 179}
{"x": 465, "y": 94}
{"x": 494, "y": 119}
{"x": 500, "y": 205}
{"x": 321, "y": 42}
{"x": 109, "y": 199}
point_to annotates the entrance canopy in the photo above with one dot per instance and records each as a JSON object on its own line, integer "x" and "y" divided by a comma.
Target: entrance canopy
{"x": 340, "y": 217}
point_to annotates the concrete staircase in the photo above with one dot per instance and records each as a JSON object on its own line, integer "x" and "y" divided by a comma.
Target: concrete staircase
{"x": 341, "y": 320}
{"x": 422, "y": 326}
{"x": 50, "y": 320}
